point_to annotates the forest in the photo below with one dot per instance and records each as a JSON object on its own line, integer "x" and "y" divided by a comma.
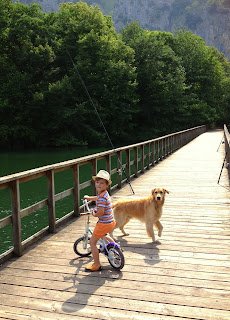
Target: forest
{"x": 144, "y": 84}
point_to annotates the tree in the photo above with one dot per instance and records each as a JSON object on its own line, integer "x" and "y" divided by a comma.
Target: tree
{"x": 25, "y": 56}
{"x": 42, "y": 99}
{"x": 160, "y": 78}
{"x": 204, "y": 75}
{"x": 104, "y": 63}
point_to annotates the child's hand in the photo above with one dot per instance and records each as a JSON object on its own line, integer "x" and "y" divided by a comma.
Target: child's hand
{"x": 94, "y": 211}
{"x": 86, "y": 197}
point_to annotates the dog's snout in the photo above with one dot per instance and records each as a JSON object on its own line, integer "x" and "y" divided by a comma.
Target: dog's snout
{"x": 158, "y": 198}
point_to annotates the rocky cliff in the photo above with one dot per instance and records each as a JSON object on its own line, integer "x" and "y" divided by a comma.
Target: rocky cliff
{"x": 204, "y": 18}
{"x": 209, "y": 19}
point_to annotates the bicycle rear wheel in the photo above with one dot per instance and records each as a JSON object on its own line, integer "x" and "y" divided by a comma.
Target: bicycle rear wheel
{"x": 115, "y": 257}
{"x": 82, "y": 246}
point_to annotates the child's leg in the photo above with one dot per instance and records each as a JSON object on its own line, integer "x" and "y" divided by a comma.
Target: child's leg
{"x": 94, "y": 249}
{"x": 109, "y": 238}
{"x": 111, "y": 227}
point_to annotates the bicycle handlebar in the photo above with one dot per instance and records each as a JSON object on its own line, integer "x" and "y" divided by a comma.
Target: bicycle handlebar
{"x": 85, "y": 213}
{"x": 85, "y": 202}
{"x": 86, "y": 205}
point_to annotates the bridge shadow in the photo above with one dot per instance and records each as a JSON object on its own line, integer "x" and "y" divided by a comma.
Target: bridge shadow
{"x": 85, "y": 284}
{"x": 149, "y": 250}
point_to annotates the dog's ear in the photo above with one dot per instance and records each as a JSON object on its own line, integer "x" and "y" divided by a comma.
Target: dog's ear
{"x": 166, "y": 191}
{"x": 153, "y": 190}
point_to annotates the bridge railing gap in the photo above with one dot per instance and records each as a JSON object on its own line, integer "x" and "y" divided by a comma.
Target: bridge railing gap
{"x": 145, "y": 155}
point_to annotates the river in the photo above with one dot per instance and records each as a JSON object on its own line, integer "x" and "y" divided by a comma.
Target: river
{"x": 36, "y": 190}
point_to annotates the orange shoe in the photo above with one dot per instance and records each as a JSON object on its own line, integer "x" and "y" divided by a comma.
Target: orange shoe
{"x": 93, "y": 268}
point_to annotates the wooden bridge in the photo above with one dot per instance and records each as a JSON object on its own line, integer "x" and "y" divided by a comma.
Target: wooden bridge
{"x": 184, "y": 275}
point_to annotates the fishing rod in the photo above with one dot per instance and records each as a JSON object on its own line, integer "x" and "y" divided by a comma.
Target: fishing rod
{"x": 222, "y": 141}
{"x": 225, "y": 158}
{"x": 101, "y": 122}
{"x": 226, "y": 154}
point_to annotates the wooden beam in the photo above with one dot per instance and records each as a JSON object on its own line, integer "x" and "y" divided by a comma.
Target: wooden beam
{"x": 108, "y": 168}
{"x": 94, "y": 173}
{"x": 16, "y": 218}
{"x": 5, "y": 221}
{"x": 128, "y": 164}
{"x": 119, "y": 169}
{"x": 76, "y": 190}
{"x": 136, "y": 161}
{"x": 51, "y": 201}
{"x": 34, "y": 207}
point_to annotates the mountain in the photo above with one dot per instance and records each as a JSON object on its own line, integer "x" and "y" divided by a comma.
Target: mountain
{"x": 208, "y": 19}
{"x": 106, "y": 6}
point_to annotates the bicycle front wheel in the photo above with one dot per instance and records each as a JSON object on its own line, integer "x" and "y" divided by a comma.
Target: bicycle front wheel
{"x": 115, "y": 257}
{"x": 82, "y": 246}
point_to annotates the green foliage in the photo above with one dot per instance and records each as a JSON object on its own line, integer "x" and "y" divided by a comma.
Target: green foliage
{"x": 104, "y": 63}
{"x": 160, "y": 77}
{"x": 204, "y": 74}
{"x": 143, "y": 84}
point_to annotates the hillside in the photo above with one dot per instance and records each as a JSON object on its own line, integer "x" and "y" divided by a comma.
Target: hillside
{"x": 107, "y": 6}
{"x": 208, "y": 19}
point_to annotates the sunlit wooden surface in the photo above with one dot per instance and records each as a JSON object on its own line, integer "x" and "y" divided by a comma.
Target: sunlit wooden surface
{"x": 184, "y": 275}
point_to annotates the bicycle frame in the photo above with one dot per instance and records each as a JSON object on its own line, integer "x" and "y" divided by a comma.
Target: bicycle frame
{"x": 101, "y": 242}
{"x": 111, "y": 250}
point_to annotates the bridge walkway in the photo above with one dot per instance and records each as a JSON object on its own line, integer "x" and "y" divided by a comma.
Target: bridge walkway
{"x": 185, "y": 274}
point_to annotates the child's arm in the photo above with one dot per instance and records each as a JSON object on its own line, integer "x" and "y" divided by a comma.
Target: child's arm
{"x": 99, "y": 212}
{"x": 90, "y": 198}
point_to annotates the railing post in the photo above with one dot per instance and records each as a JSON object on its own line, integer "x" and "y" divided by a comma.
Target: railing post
{"x": 94, "y": 173}
{"x": 119, "y": 169}
{"x": 162, "y": 149}
{"x": 177, "y": 141}
{"x": 148, "y": 155}
{"x": 128, "y": 171}
{"x": 16, "y": 218}
{"x": 51, "y": 201}
{"x": 76, "y": 190}
{"x": 153, "y": 153}
{"x": 165, "y": 147}
{"x": 142, "y": 158}
{"x": 108, "y": 168}
{"x": 157, "y": 151}
{"x": 136, "y": 161}
{"x": 170, "y": 144}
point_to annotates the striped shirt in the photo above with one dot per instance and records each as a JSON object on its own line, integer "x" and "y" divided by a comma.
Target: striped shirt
{"x": 103, "y": 200}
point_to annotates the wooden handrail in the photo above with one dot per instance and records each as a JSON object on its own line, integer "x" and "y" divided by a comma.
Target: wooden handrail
{"x": 146, "y": 154}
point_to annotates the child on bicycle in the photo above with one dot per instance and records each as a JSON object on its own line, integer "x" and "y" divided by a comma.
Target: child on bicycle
{"x": 104, "y": 212}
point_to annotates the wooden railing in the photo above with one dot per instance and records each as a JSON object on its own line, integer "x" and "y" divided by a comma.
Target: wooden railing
{"x": 145, "y": 155}
{"x": 227, "y": 148}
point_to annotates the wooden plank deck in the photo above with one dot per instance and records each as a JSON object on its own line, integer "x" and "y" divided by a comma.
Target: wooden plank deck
{"x": 184, "y": 275}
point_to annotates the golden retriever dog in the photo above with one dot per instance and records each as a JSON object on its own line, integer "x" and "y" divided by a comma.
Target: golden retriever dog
{"x": 147, "y": 210}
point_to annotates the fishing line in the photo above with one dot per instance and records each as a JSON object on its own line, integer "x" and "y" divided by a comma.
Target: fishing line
{"x": 101, "y": 122}
{"x": 227, "y": 164}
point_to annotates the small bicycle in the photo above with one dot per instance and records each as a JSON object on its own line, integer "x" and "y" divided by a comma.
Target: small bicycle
{"x": 111, "y": 250}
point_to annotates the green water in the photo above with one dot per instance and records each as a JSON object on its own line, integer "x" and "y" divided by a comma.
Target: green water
{"x": 36, "y": 190}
